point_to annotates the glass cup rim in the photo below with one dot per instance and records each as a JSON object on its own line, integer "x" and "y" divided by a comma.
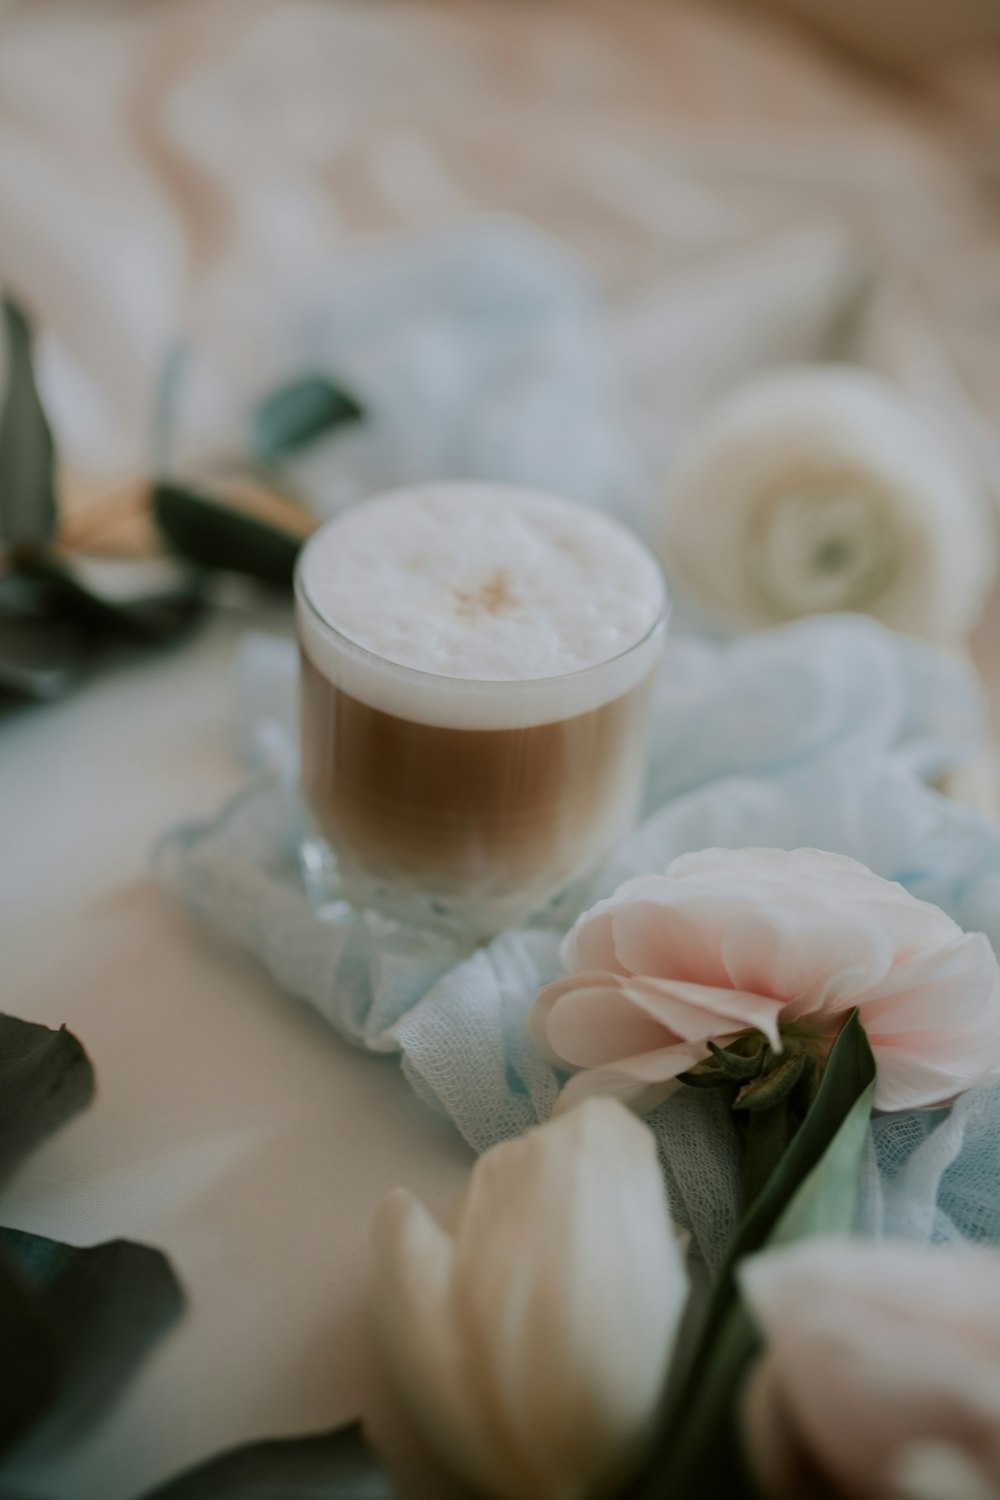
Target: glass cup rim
{"x": 520, "y": 685}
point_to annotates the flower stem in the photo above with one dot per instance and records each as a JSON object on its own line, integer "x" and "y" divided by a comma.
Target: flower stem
{"x": 767, "y": 1134}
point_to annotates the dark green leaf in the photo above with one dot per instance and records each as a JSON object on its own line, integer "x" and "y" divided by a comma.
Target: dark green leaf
{"x": 848, "y": 1081}
{"x": 217, "y": 536}
{"x": 767, "y": 1133}
{"x": 330, "y": 1466}
{"x": 153, "y": 598}
{"x": 813, "y": 1190}
{"x": 299, "y": 413}
{"x": 844, "y": 1095}
{"x": 27, "y": 492}
{"x": 85, "y": 1317}
{"x": 41, "y": 658}
{"x": 72, "y": 1321}
{"x": 706, "y": 1457}
{"x": 45, "y": 1077}
{"x": 31, "y": 1363}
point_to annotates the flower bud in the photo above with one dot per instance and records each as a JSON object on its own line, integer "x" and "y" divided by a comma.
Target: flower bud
{"x": 532, "y": 1341}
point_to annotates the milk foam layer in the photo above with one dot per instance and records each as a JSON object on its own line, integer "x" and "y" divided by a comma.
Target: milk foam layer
{"x": 479, "y": 606}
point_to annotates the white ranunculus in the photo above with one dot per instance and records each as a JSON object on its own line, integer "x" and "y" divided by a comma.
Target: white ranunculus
{"x": 821, "y": 489}
{"x": 532, "y": 1339}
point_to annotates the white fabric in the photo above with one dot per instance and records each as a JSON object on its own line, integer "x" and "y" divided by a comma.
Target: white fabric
{"x": 477, "y": 353}
{"x": 745, "y": 197}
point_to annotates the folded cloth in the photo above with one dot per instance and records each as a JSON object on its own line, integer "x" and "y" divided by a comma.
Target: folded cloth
{"x": 823, "y": 488}
{"x": 474, "y": 351}
{"x": 839, "y": 721}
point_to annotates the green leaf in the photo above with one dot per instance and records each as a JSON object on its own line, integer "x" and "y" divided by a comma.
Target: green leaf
{"x": 150, "y": 599}
{"x": 813, "y": 1190}
{"x": 299, "y": 413}
{"x": 329, "y": 1466}
{"x": 73, "y": 1321}
{"x": 80, "y": 1319}
{"x": 766, "y": 1136}
{"x": 28, "y": 509}
{"x": 57, "y": 613}
{"x": 40, "y": 658}
{"x": 45, "y": 1078}
{"x": 30, "y": 1365}
{"x": 848, "y": 1085}
{"x": 217, "y": 536}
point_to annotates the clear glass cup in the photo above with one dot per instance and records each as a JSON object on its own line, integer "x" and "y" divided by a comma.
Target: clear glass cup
{"x": 461, "y": 829}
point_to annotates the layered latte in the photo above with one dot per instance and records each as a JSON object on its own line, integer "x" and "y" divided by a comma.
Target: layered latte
{"x": 476, "y": 670}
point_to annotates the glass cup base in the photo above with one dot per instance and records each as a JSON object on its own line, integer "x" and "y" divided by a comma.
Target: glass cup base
{"x": 422, "y": 918}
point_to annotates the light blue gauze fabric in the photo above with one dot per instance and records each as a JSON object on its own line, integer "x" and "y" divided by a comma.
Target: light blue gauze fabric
{"x": 825, "y": 733}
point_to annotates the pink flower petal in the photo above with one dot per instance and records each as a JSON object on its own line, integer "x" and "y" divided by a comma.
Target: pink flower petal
{"x": 704, "y": 1012}
{"x": 594, "y": 1025}
{"x": 908, "y": 1081}
{"x": 549, "y": 996}
{"x": 734, "y": 939}
{"x": 678, "y": 940}
{"x": 589, "y": 1020}
{"x": 956, "y": 983}
{"x": 810, "y": 959}
{"x": 590, "y": 943}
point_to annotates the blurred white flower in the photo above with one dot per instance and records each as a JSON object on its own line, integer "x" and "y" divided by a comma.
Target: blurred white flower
{"x": 532, "y": 1340}
{"x": 881, "y": 1371}
{"x": 820, "y": 489}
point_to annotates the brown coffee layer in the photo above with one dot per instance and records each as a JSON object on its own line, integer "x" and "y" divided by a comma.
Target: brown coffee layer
{"x": 441, "y": 807}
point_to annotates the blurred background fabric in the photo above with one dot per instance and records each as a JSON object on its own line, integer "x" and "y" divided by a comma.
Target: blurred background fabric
{"x": 163, "y": 166}
{"x": 746, "y": 183}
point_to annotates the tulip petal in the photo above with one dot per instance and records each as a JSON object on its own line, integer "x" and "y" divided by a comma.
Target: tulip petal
{"x": 412, "y": 1273}
{"x": 569, "y": 1286}
{"x": 772, "y": 1443}
{"x": 846, "y": 1354}
{"x": 926, "y": 1471}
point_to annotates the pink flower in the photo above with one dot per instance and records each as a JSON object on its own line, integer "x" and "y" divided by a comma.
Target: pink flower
{"x": 881, "y": 1374}
{"x": 778, "y": 942}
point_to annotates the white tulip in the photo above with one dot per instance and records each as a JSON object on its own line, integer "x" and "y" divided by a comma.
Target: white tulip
{"x": 532, "y": 1340}
{"x": 819, "y": 489}
{"x": 881, "y": 1370}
